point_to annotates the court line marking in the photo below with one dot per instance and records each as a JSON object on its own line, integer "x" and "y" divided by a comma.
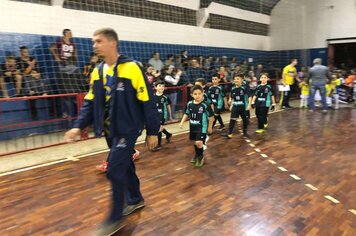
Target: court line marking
{"x": 33, "y": 167}
{"x": 312, "y": 187}
{"x": 330, "y": 198}
{"x": 353, "y": 211}
{"x": 272, "y": 162}
{"x": 264, "y": 155}
{"x": 282, "y": 169}
{"x": 252, "y": 145}
{"x": 248, "y": 154}
{"x": 257, "y": 150}
{"x": 295, "y": 177}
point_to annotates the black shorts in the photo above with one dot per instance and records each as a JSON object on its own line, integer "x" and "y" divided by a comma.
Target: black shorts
{"x": 237, "y": 111}
{"x": 197, "y": 136}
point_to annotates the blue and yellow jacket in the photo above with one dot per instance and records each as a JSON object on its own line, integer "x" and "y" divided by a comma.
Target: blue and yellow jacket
{"x": 131, "y": 104}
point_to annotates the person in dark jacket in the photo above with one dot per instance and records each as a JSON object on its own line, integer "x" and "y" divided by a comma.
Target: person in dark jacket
{"x": 119, "y": 103}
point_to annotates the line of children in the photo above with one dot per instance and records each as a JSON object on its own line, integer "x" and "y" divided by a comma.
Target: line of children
{"x": 201, "y": 118}
{"x": 216, "y": 95}
{"x": 240, "y": 103}
{"x": 163, "y": 104}
{"x": 262, "y": 101}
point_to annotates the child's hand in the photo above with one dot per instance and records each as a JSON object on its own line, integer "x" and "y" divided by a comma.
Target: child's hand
{"x": 226, "y": 107}
{"x": 253, "y": 105}
{"x": 248, "y": 108}
{"x": 273, "y": 107}
{"x": 181, "y": 125}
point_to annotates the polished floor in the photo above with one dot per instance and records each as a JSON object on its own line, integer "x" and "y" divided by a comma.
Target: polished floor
{"x": 298, "y": 178}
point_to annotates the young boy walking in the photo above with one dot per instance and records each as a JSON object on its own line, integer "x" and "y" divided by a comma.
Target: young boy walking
{"x": 200, "y": 123}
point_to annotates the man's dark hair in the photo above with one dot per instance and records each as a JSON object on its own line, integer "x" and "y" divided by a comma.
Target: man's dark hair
{"x": 196, "y": 87}
{"x": 108, "y": 33}
{"x": 293, "y": 59}
{"x": 65, "y": 31}
{"x": 23, "y": 47}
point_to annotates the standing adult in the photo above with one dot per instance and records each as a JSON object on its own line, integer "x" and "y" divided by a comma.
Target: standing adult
{"x": 288, "y": 75}
{"x": 119, "y": 103}
{"x": 171, "y": 79}
{"x": 318, "y": 76}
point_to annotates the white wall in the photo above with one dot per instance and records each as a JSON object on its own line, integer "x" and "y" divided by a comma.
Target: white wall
{"x": 18, "y": 17}
{"x": 308, "y": 23}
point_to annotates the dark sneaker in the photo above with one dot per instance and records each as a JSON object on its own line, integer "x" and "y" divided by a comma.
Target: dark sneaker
{"x": 168, "y": 138}
{"x": 229, "y": 136}
{"x": 157, "y": 148}
{"x": 200, "y": 162}
{"x": 131, "y": 208}
{"x": 107, "y": 229}
{"x": 193, "y": 160}
{"x": 245, "y": 133}
{"x": 221, "y": 127}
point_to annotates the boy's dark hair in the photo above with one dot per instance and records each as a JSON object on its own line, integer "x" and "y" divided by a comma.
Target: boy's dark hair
{"x": 241, "y": 75}
{"x": 264, "y": 73}
{"x": 196, "y": 87}
{"x": 65, "y": 31}
{"x": 23, "y": 47}
{"x": 201, "y": 80}
{"x": 159, "y": 82}
{"x": 215, "y": 75}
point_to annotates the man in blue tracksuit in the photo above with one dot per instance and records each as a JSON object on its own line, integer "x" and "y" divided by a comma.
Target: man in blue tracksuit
{"x": 119, "y": 103}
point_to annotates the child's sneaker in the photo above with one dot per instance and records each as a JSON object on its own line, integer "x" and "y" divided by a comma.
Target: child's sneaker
{"x": 103, "y": 167}
{"x": 200, "y": 161}
{"x": 205, "y": 147}
{"x": 136, "y": 155}
{"x": 168, "y": 138}
{"x": 157, "y": 148}
{"x": 193, "y": 160}
{"x": 221, "y": 127}
{"x": 229, "y": 136}
{"x": 265, "y": 126}
{"x": 260, "y": 131}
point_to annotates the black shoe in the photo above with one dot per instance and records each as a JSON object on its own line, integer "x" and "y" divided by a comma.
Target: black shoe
{"x": 157, "y": 148}
{"x": 168, "y": 138}
{"x": 222, "y": 127}
{"x": 289, "y": 107}
{"x": 131, "y": 208}
{"x": 109, "y": 228}
{"x": 245, "y": 133}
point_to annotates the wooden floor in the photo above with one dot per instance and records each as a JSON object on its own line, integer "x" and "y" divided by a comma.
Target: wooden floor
{"x": 245, "y": 188}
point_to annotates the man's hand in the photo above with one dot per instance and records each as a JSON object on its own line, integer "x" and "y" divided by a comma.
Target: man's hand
{"x": 273, "y": 107}
{"x": 71, "y": 134}
{"x": 151, "y": 141}
{"x": 210, "y": 130}
{"x": 253, "y": 105}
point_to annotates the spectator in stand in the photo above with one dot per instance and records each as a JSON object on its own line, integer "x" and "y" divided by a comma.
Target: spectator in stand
{"x": 207, "y": 64}
{"x": 233, "y": 63}
{"x": 216, "y": 64}
{"x": 178, "y": 62}
{"x": 236, "y": 71}
{"x": 184, "y": 59}
{"x": 171, "y": 79}
{"x": 224, "y": 62}
{"x": 194, "y": 72}
{"x": 89, "y": 67}
{"x": 156, "y": 62}
{"x": 259, "y": 70}
{"x": 65, "y": 54}
{"x": 10, "y": 78}
{"x": 151, "y": 74}
{"x": 69, "y": 78}
{"x": 244, "y": 66}
{"x": 170, "y": 60}
{"x": 33, "y": 84}
{"x": 252, "y": 82}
